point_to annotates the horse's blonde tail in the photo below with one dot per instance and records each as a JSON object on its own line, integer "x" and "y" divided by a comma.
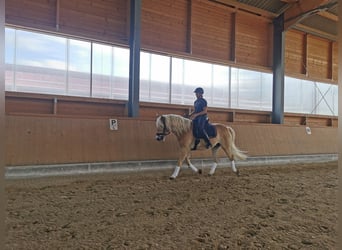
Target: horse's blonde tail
{"x": 237, "y": 153}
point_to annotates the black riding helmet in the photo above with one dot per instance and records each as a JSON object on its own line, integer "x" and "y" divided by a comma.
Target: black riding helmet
{"x": 199, "y": 90}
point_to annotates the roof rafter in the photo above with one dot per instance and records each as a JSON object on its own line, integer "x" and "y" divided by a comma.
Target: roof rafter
{"x": 329, "y": 15}
{"x": 245, "y": 7}
{"x": 304, "y": 8}
{"x": 316, "y": 32}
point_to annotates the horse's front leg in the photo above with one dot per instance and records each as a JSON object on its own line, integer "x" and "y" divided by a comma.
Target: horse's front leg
{"x": 183, "y": 154}
{"x": 175, "y": 173}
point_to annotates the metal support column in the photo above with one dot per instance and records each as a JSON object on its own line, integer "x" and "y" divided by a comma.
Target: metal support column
{"x": 278, "y": 70}
{"x": 134, "y": 58}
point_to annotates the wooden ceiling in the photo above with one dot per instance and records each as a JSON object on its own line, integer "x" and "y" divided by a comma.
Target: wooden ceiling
{"x": 317, "y": 17}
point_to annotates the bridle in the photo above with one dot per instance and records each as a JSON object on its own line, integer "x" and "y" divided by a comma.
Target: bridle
{"x": 160, "y": 136}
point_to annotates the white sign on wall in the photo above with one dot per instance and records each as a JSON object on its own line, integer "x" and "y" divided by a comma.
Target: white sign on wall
{"x": 308, "y": 130}
{"x": 113, "y": 124}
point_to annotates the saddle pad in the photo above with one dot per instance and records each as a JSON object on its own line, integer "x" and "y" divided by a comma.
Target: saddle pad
{"x": 211, "y": 130}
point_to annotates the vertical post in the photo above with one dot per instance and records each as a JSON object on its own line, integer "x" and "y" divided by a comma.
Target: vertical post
{"x": 278, "y": 70}
{"x": 2, "y": 123}
{"x": 233, "y": 38}
{"x": 91, "y": 70}
{"x": 305, "y": 56}
{"x": 189, "y": 28}
{"x": 57, "y": 14}
{"x": 134, "y": 58}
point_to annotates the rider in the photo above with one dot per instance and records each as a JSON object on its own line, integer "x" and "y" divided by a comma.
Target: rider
{"x": 199, "y": 115}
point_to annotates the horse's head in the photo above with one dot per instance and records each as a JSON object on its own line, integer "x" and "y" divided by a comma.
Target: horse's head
{"x": 162, "y": 129}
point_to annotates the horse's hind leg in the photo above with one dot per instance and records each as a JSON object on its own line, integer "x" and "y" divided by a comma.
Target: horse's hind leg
{"x": 231, "y": 158}
{"x": 193, "y": 168}
{"x": 175, "y": 173}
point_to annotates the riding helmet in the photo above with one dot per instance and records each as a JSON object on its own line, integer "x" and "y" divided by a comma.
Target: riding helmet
{"x": 199, "y": 90}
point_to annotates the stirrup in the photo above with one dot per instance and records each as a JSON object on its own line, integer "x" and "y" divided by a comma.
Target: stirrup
{"x": 207, "y": 141}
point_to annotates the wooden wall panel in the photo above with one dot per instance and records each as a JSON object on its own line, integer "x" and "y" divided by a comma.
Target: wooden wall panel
{"x": 46, "y": 140}
{"x": 295, "y": 52}
{"x": 28, "y": 105}
{"x": 253, "y": 40}
{"x": 25, "y": 103}
{"x": 39, "y": 14}
{"x": 43, "y": 104}
{"x": 164, "y": 25}
{"x": 32, "y": 140}
{"x": 252, "y": 117}
{"x": 318, "y": 58}
{"x": 211, "y": 30}
{"x": 89, "y": 109}
{"x": 106, "y": 20}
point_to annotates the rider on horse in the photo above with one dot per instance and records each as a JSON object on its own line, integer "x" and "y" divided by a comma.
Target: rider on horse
{"x": 200, "y": 118}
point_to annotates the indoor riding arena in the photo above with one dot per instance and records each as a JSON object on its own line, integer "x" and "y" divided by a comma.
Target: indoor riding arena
{"x": 91, "y": 160}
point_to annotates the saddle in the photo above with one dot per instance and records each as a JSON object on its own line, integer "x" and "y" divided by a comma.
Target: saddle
{"x": 209, "y": 128}
{"x": 198, "y": 133}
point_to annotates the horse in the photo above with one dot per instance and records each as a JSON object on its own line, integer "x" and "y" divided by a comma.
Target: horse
{"x": 182, "y": 128}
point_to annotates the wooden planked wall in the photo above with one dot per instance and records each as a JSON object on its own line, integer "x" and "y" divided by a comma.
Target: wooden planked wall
{"x": 198, "y": 29}
{"x": 47, "y": 129}
{"x": 35, "y": 140}
{"x": 164, "y": 25}
{"x": 211, "y": 37}
{"x": 104, "y": 20}
{"x": 314, "y": 57}
{"x": 27, "y": 104}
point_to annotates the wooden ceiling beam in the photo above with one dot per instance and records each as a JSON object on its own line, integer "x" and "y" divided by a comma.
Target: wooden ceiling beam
{"x": 315, "y": 32}
{"x": 300, "y": 10}
{"x": 329, "y": 15}
{"x": 245, "y": 7}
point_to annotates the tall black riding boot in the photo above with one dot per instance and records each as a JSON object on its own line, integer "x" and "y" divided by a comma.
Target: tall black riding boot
{"x": 206, "y": 138}
{"x": 195, "y": 144}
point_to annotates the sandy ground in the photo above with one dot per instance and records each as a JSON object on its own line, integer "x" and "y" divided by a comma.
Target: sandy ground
{"x": 273, "y": 207}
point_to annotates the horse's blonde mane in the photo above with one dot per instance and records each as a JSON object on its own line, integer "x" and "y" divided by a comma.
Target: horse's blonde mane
{"x": 177, "y": 124}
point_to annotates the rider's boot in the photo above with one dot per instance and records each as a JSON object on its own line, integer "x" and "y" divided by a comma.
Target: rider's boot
{"x": 206, "y": 139}
{"x": 195, "y": 144}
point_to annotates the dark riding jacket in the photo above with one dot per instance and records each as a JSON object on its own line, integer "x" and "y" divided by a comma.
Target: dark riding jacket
{"x": 200, "y": 121}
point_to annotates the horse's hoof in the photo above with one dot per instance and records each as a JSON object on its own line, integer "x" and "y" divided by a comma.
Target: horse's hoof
{"x": 172, "y": 178}
{"x": 200, "y": 171}
{"x": 238, "y": 173}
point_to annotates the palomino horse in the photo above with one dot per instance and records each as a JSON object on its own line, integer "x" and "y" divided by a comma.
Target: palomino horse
{"x": 182, "y": 128}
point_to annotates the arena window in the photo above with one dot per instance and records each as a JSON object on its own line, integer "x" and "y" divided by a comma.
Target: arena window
{"x": 45, "y": 63}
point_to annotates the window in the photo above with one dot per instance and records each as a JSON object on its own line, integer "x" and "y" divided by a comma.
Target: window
{"x": 78, "y": 71}
{"x": 43, "y": 63}
{"x": 220, "y": 86}
{"x": 154, "y": 78}
{"x": 40, "y": 63}
{"x": 110, "y": 72}
{"x": 186, "y": 76}
{"x": 310, "y": 97}
{"x": 251, "y": 89}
